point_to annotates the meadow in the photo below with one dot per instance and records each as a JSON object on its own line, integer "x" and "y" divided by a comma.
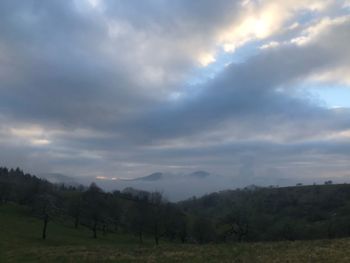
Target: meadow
{"x": 20, "y": 241}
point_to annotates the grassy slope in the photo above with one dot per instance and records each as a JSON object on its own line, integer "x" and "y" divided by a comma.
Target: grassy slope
{"x": 20, "y": 242}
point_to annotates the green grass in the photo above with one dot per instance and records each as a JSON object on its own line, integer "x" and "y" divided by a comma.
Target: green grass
{"x": 20, "y": 242}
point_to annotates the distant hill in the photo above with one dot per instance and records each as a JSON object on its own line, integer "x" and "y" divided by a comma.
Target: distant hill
{"x": 159, "y": 176}
{"x": 296, "y": 212}
{"x": 180, "y": 186}
{"x": 249, "y": 214}
{"x": 199, "y": 174}
{"x": 175, "y": 186}
{"x": 151, "y": 178}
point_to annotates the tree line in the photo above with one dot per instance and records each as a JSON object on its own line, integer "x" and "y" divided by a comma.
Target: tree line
{"x": 274, "y": 213}
{"x": 140, "y": 213}
{"x": 249, "y": 214}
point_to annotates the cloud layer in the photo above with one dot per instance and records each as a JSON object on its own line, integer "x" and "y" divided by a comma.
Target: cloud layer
{"x": 93, "y": 88}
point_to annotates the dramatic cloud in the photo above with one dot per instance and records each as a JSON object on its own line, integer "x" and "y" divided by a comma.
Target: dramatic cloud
{"x": 125, "y": 88}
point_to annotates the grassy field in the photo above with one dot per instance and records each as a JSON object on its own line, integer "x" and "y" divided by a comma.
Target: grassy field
{"x": 20, "y": 242}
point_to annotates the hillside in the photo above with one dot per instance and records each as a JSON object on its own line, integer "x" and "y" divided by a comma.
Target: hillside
{"x": 20, "y": 242}
{"x": 251, "y": 214}
{"x": 299, "y": 212}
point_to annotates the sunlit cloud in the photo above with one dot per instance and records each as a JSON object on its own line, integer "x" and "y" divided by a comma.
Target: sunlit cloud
{"x": 27, "y": 132}
{"x": 206, "y": 59}
{"x": 271, "y": 44}
{"x": 40, "y": 141}
{"x": 310, "y": 33}
{"x": 32, "y": 134}
{"x": 336, "y": 76}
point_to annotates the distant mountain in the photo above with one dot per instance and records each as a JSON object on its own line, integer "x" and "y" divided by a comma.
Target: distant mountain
{"x": 199, "y": 174}
{"x": 151, "y": 178}
{"x": 154, "y": 177}
{"x": 174, "y": 186}
{"x": 180, "y": 186}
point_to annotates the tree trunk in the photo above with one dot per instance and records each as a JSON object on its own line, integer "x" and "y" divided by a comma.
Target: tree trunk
{"x": 140, "y": 237}
{"x": 76, "y": 222}
{"x": 183, "y": 234}
{"x": 330, "y": 233}
{"x": 46, "y": 219}
{"x": 94, "y": 229}
{"x": 156, "y": 236}
{"x": 183, "y": 239}
{"x": 104, "y": 229}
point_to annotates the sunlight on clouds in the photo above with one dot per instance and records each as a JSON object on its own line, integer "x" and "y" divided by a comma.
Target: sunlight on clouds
{"x": 261, "y": 28}
{"x": 102, "y": 178}
{"x": 253, "y": 27}
{"x": 338, "y": 75}
{"x": 319, "y": 5}
{"x": 271, "y": 44}
{"x": 310, "y": 33}
{"x": 256, "y": 24}
{"x": 340, "y": 135}
{"x": 206, "y": 59}
{"x": 260, "y": 20}
{"x": 299, "y": 41}
{"x": 344, "y": 134}
{"x": 31, "y": 131}
{"x": 32, "y": 134}
{"x": 229, "y": 47}
{"x": 40, "y": 141}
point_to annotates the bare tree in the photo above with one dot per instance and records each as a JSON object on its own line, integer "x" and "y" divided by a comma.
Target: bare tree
{"x": 45, "y": 207}
{"x": 94, "y": 206}
{"x": 156, "y": 214}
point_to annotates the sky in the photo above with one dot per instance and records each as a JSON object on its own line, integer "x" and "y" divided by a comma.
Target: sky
{"x": 123, "y": 88}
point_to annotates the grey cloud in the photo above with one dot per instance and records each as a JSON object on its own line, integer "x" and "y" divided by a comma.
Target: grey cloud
{"x": 248, "y": 93}
{"x": 196, "y": 16}
{"x": 61, "y": 70}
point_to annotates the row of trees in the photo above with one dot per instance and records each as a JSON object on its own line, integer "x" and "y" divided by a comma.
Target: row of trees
{"x": 140, "y": 213}
{"x": 251, "y": 214}
{"x": 269, "y": 214}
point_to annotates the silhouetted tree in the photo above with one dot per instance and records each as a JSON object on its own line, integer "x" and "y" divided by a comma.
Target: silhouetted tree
{"x": 45, "y": 207}
{"x": 139, "y": 217}
{"x": 75, "y": 206}
{"x": 156, "y": 209}
{"x": 94, "y": 206}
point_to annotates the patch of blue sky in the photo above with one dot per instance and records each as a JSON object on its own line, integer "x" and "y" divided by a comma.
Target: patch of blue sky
{"x": 332, "y": 96}
{"x": 306, "y": 17}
